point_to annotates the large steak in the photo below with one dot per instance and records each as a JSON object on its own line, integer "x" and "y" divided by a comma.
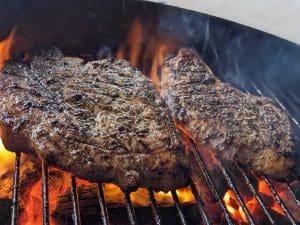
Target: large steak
{"x": 238, "y": 126}
{"x": 102, "y": 121}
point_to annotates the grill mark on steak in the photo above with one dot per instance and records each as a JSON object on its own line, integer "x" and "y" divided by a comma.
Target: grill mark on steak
{"x": 102, "y": 121}
{"x": 238, "y": 126}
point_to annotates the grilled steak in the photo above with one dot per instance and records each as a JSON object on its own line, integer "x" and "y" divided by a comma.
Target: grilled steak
{"x": 237, "y": 126}
{"x": 103, "y": 121}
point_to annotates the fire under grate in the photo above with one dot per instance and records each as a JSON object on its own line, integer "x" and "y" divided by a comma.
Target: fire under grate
{"x": 156, "y": 215}
{"x": 155, "y": 210}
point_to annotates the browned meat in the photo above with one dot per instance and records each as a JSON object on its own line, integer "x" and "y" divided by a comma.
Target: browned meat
{"x": 102, "y": 121}
{"x": 236, "y": 125}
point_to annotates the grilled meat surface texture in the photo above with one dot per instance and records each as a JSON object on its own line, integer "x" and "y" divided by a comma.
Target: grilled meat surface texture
{"x": 102, "y": 121}
{"x": 237, "y": 126}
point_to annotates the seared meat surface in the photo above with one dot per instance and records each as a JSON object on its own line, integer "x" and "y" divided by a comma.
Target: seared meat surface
{"x": 102, "y": 121}
{"x": 235, "y": 125}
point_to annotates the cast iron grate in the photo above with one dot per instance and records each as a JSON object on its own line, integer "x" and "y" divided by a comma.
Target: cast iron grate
{"x": 203, "y": 170}
{"x": 155, "y": 210}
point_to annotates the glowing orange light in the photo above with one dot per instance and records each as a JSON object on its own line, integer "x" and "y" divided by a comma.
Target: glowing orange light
{"x": 157, "y": 63}
{"x": 133, "y": 43}
{"x": 264, "y": 189}
{"x": 252, "y": 205}
{"x": 32, "y": 200}
{"x": 234, "y": 208}
{"x": 5, "y": 48}
{"x": 154, "y": 52}
{"x": 113, "y": 194}
{"x": 7, "y": 160}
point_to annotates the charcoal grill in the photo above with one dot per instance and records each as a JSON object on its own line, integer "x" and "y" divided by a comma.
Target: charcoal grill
{"x": 203, "y": 171}
{"x": 253, "y": 86}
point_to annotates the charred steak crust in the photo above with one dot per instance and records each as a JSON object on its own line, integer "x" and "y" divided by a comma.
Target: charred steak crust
{"x": 102, "y": 121}
{"x": 236, "y": 125}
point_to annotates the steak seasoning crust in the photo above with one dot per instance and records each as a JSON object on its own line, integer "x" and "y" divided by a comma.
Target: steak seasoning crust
{"x": 102, "y": 121}
{"x": 238, "y": 126}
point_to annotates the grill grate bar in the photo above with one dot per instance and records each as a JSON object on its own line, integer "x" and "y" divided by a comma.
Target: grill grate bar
{"x": 45, "y": 190}
{"x": 200, "y": 204}
{"x": 296, "y": 177}
{"x": 279, "y": 201}
{"x": 266, "y": 179}
{"x": 210, "y": 181}
{"x": 178, "y": 208}
{"x": 277, "y": 100}
{"x": 155, "y": 210}
{"x": 102, "y": 204}
{"x": 130, "y": 209}
{"x": 15, "y": 202}
{"x": 75, "y": 203}
{"x": 255, "y": 193}
{"x": 231, "y": 184}
{"x": 290, "y": 189}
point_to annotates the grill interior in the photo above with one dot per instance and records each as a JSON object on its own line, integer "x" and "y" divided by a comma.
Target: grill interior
{"x": 234, "y": 176}
{"x": 183, "y": 219}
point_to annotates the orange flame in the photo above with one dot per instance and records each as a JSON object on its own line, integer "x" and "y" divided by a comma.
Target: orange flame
{"x": 236, "y": 211}
{"x": 32, "y": 200}
{"x": 5, "y": 48}
{"x": 157, "y": 63}
{"x": 133, "y": 43}
{"x": 7, "y": 160}
{"x": 155, "y": 51}
{"x": 113, "y": 194}
{"x": 234, "y": 208}
{"x": 59, "y": 185}
{"x": 264, "y": 189}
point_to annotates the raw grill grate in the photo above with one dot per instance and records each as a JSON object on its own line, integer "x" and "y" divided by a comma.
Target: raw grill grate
{"x": 155, "y": 210}
{"x": 203, "y": 170}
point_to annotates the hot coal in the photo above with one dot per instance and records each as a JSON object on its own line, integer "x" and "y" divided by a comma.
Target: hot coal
{"x": 237, "y": 126}
{"x": 103, "y": 121}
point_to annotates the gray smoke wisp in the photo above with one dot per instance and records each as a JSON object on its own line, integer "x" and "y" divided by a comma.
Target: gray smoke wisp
{"x": 251, "y": 60}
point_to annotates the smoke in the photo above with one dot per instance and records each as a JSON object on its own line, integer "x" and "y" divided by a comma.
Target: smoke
{"x": 251, "y": 60}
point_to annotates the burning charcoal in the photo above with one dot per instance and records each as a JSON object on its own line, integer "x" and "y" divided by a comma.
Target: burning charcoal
{"x": 29, "y": 174}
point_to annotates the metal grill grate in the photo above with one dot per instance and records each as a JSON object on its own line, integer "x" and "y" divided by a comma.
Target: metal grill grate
{"x": 203, "y": 171}
{"x": 155, "y": 210}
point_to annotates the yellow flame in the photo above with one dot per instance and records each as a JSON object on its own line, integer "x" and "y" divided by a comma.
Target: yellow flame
{"x": 7, "y": 160}
{"x": 113, "y": 194}
{"x": 234, "y": 208}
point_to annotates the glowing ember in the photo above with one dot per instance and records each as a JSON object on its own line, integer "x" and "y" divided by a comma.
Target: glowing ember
{"x": 234, "y": 208}
{"x": 32, "y": 200}
{"x": 59, "y": 185}
{"x": 263, "y": 189}
{"x": 5, "y": 48}
{"x": 236, "y": 211}
{"x": 113, "y": 194}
